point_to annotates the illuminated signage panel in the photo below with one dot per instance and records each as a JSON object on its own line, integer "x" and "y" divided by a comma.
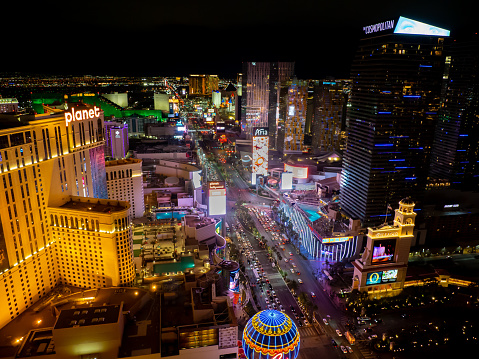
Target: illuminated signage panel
{"x": 373, "y": 278}
{"x": 216, "y": 198}
{"x": 287, "y": 181}
{"x": 386, "y": 276}
{"x": 260, "y": 150}
{"x": 298, "y": 171}
{"x": 383, "y": 251}
{"x": 336, "y": 240}
{"x": 413, "y": 27}
{"x": 80, "y": 115}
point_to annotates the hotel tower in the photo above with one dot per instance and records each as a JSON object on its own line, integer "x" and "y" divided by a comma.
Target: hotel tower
{"x": 56, "y": 224}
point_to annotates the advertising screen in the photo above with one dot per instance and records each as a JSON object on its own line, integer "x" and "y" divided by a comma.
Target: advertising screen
{"x": 298, "y": 171}
{"x": 260, "y": 150}
{"x": 234, "y": 281}
{"x": 373, "y": 278}
{"x": 386, "y": 276}
{"x": 287, "y": 181}
{"x": 389, "y": 276}
{"x": 197, "y": 179}
{"x": 383, "y": 251}
{"x": 216, "y": 198}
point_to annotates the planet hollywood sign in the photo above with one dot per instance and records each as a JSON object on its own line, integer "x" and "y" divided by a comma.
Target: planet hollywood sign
{"x": 380, "y": 26}
{"x": 80, "y": 115}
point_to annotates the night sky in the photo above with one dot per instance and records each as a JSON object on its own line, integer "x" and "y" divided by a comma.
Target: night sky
{"x": 167, "y": 38}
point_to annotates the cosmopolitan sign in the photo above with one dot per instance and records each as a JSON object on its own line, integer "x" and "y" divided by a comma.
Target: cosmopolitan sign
{"x": 380, "y": 26}
{"x": 80, "y": 115}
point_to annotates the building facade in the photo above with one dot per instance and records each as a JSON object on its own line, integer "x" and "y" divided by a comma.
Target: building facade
{"x": 395, "y": 99}
{"x": 381, "y": 271}
{"x": 125, "y": 183}
{"x": 329, "y": 115}
{"x": 454, "y": 159}
{"x": 260, "y": 89}
{"x": 292, "y": 116}
{"x": 44, "y": 161}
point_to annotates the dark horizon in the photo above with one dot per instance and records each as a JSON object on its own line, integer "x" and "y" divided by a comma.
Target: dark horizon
{"x": 152, "y": 39}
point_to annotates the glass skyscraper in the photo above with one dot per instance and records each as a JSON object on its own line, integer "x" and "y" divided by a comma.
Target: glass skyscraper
{"x": 396, "y": 85}
{"x": 455, "y": 155}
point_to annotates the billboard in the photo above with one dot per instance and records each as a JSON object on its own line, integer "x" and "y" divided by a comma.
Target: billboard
{"x": 336, "y": 239}
{"x": 197, "y": 179}
{"x": 286, "y": 180}
{"x": 386, "y": 276}
{"x": 298, "y": 171}
{"x": 234, "y": 281}
{"x": 383, "y": 251}
{"x": 216, "y": 198}
{"x": 260, "y": 150}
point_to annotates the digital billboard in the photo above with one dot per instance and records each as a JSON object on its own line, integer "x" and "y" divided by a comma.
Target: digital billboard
{"x": 373, "y": 278}
{"x": 260, "y": 150}
{"x": 413, "y": 27}
{"x": 216, "y": 198}
{"x": 197, "y": 179}
{"x": 383, "y": 251}
{"x": 286, "y": 180}
{"x": 298, "y": 171}
{"x": 386, "y": 276}
{"x": 234, "y": 281}
{"x": 389, "y": 276}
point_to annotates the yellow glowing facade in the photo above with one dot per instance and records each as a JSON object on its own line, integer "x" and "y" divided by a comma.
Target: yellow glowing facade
{"x": 45, "y": 161}
{"x": 381, "y": 271}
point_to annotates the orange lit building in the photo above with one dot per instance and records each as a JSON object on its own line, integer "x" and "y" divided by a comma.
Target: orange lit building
{"x": 47, "y": 163}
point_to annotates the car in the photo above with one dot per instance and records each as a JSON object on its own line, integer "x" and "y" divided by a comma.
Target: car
{"x": 334, "y": 343}
{"x": 290, "y": 253}
{"x": 339, "y": 333}
{"x": 325, "y": 321}
{"x": 300, "y": 281}
{"x": 343, "y": 349}
{"x": 313, "y": 295}
{"x": 298, "y": 273}
{"x": 293, "y": 264}
{"x": 299, "y": 323}
{"x": 372, "y": 336}
{"x": 277, "y": 300}
{"x": 292, "y": 270}
{"x": 293, "y": 309}
{"x": 349, "y": 349}
{"x": 281, "y": 308}
{"x": 306, "y": 322}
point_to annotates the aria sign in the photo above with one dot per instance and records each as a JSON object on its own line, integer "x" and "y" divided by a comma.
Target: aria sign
{"x": 80, "y": 115}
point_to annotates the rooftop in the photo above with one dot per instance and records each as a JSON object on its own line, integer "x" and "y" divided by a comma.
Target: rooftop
{"x": 95, "y": 205}
{"x": 81, "y": 317}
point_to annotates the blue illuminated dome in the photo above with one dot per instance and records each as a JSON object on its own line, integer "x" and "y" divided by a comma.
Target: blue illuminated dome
{"x": 269, "y": 333}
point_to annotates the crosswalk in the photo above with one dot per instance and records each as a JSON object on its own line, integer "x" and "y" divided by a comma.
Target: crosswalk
{"x": 306, "y": 332}
{"x": 366, "y": 352}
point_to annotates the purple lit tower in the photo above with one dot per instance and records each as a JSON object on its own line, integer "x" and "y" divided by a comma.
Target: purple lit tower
{"x": 117, "y": 144}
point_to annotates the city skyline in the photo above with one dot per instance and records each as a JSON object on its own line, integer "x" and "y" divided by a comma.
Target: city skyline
{"x": 117, "y": 39}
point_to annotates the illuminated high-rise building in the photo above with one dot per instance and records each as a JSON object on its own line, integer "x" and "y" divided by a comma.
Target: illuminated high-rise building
{"x": 54, "y": 227}
{"x": 396, "y": 86}
{"x": 125, "y": 183}
{"x": 455, "y": 155}
{"x": 329, "y": 118}
{"x": 292, "y": 116}
{"x": 260, "y": 89}
{"x": 203, "y": 85}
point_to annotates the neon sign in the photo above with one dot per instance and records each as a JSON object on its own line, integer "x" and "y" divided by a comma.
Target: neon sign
{"x": 80, "y": 115}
